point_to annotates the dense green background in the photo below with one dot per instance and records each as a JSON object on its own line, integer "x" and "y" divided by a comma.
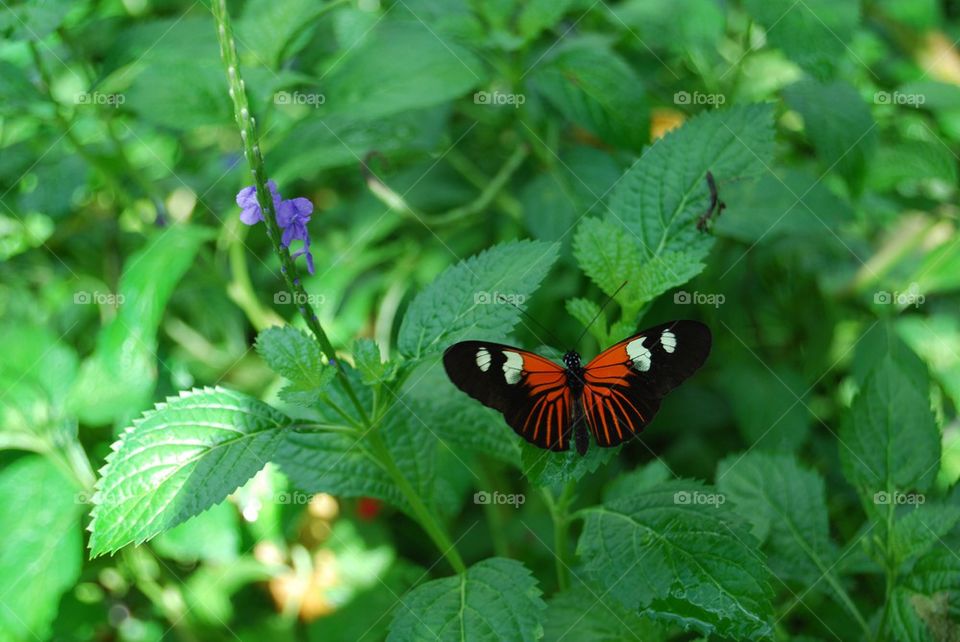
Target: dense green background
{"x": 455, "y": 150}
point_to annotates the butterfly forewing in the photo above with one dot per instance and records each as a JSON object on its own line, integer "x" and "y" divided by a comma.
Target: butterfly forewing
{"x": 530, "y": 391}
{"x": 623, "y": 385}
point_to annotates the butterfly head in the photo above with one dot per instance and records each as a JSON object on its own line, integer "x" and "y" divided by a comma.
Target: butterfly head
{"x": 572, "y": 360}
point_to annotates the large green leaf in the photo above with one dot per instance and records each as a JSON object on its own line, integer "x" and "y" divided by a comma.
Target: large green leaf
{"x": 677, "y": 552}
{"x": 661, "y": 196}
{"x": 463, "y": 301}
{"x": 496, "y": 599}
{"x": 118, "y": 379}
{"x": 890, "y": 442}
{"x": 785, "y": 504}
{"x": 583, "y": 614}
{"x": 42, "y": 545}
{"x": 179, "y": 460}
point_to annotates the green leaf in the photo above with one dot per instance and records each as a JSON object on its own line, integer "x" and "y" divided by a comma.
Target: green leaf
{"x": 784, "y": 502}
{"x": 812, "y": 33}
{"x": 366, "y": 357}
{"x": 401, "y": 65}
{"x": 920, "y": 528}
{"x": 596, "y": 89}
{"x": 661, "y": 196}
{"x": 118, "y": 380}
{"x": 838, "y": 124}
{"x": 642, "y": 478}
{"x": 179, "y": 460}
{"x": 583, "y": 614}
{"x": 588, "y": 314}
{"x": 910, "y": 163}
{"x": 937, "y": 339}
{"x": 890, "y": 442}
{"x": 545, "y": 468}
{"x": 460, "y": 303}
{"x": 292, "y": 354}
{"x": 668, "y": 553}
{"x": 42, "y": 545}
{"x": 266, "y": 28}
{"x": 496, "y": 599}
{"x": 610, "y": 256}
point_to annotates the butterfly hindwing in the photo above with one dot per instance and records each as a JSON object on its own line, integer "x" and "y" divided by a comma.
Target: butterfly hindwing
{"x": 530, "y": 391}
{"x": 624, "y": 384}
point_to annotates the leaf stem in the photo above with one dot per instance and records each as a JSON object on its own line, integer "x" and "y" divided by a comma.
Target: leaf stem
{"x": 426, "y": 518}
{"x": 559, "y": 513}
{"x": 251, "y": 151}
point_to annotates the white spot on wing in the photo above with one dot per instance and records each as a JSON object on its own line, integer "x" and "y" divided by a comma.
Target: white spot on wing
{"x": 669, "y": 341}
{"x": 639, "y": 354}
{"x": 483, "y": 359}
{"x": 512, "y": 367}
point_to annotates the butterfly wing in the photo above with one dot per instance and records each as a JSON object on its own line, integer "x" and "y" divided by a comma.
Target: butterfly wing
{"x": 624, "y": 384}
{"x": 530, "y": 391}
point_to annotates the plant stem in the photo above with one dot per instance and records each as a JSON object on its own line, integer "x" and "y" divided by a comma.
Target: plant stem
{"x": 559, "y": 513}
{"x": 420, "y": 510}
{"x": 251, "y": 151}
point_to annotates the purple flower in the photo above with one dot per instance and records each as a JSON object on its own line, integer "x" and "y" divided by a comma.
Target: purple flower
{"x": 292, "y": 217}
{"x": 247, "y": 200}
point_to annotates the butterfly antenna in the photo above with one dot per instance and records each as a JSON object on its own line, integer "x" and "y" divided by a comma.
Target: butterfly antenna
{"x": 499, "y": 298}
{"x": 599, "y": 312}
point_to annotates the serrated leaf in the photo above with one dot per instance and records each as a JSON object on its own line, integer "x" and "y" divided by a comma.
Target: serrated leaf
{"x": 586, "y": 615}
{"x": 179, "y": 460}
{"x": 42, "y": 546}
{"x": 838, "y": 123}
{"x": 890, "y": 441}
{"x": 642, "y": 478}
{"x": 460, "y": 303}
{"x": 785, "y": 503}
{"x": 596, "y": 89}
{"x": 920, "y": 528}
{"x": 496, "y": 599}
{"x": 545, "y": 468}
{"x": 588, "y": 314}
{"x": 661, "y": 196}
{"x": 664, "y": 551}
{"x": 609, "y": 255}
{"x": 366, "y": 358}
{"x": 118, "y": 380}
{"x": 292, "y": 354}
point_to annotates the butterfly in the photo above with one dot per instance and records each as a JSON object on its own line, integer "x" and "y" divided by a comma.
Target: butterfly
{"x": 614, "y": 396}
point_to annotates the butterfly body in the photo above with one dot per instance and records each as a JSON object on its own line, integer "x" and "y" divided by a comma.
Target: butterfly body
{"x": 613, "y": 397}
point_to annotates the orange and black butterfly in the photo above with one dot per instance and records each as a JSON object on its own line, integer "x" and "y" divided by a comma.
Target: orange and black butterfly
{"x": 614, "y": 396}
